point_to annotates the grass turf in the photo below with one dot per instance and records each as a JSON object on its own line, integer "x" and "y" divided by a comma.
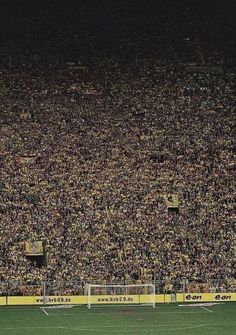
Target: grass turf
{"x": 164, "y": 319}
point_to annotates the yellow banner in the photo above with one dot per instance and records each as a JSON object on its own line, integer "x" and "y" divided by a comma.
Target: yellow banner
{"x": 118, "y": 299}
{"x": 115, "y": 299}
{"x": 30, "y": 300}
{"x": 172, "y": 200}
{"x": 66, "y": 300}
{"x": 2, "y": 301}
{"x": 205, "y": 297}
{"x": 163, "y": 298}
{"x": 50, "y": 300}
{"x": 34, "y": 248}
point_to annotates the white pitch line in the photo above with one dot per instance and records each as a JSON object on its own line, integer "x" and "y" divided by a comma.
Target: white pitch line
{"x": 60, "y": 314}
{"x": 206, "y": 309}
{"x": 115, "y": 329}
{"x": 183, "y": 313}
{"x": 45, "y": 312}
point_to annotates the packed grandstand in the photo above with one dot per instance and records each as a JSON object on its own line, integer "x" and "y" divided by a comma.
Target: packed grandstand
{"x": 88, "y": 174}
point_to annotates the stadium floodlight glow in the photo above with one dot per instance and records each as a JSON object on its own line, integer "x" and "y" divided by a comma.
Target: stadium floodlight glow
{"x": 120, "y": 295}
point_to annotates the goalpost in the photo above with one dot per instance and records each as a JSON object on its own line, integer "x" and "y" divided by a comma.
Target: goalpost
{"x": 121, "y": 295}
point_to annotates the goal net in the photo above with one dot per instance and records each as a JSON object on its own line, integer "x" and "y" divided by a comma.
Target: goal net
{"x": 121, "y": 295}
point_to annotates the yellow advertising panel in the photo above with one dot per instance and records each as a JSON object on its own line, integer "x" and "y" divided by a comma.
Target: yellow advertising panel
{"x": 205, "y": 297}
{"x": 30, "y": 300}
{"x": 118, "y": 299}
{"x": 162, "y": 298}
{"x": 180, "y": 297}
{"x": 115, "y": 299}
{"x": 50, "y": 300}
{"x": 65, "y": 300}
{"x": 34, "y": 248}
{"x": 2, "y": 301}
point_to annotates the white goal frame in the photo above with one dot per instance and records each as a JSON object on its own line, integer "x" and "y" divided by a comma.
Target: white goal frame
{"x": 123, "y": 296}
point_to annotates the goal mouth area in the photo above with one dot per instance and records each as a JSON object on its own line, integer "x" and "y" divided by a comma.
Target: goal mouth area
{"x": 121, "y": 295}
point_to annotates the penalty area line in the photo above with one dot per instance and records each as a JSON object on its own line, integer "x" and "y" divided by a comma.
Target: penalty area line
{"x": 45, "y": 312}
{"x": 206, "y": 309}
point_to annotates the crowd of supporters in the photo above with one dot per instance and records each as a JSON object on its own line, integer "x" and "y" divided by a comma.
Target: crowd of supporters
{"x": 86, "y": 164}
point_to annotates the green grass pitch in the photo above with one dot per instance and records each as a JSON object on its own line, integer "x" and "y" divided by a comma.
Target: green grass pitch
{"x": 164, "y": 319}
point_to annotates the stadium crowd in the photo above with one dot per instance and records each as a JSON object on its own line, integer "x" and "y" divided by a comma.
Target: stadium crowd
{"x": 86, "y": 168}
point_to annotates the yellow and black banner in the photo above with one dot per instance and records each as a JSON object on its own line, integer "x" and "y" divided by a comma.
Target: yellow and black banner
{"x": 205, "y": 297}
{"x": 3, "y": 301}
{"x": 172, "y": 200}
{"x": 118, "y": 299}
{"x": 115, "y": 299}
{"x": 34, "y": 248}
